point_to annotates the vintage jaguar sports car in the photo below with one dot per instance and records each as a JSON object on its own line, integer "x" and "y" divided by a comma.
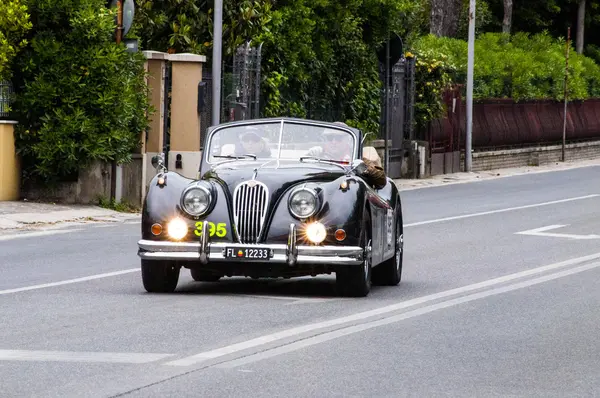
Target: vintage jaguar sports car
{"x": 277, "y": 197}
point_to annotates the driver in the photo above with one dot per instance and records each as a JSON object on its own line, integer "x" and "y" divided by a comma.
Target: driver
{"x": 252, "y": 143}
{"x": 337, "y": 146}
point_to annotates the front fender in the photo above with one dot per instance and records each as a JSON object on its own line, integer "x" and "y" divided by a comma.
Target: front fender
{"x": 341, "y": 209}
{"x": 162, "y": 204}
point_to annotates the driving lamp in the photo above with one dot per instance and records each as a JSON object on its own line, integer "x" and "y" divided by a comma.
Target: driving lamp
{"x": 177, "y": 229}
{"x": 316, "y": 232}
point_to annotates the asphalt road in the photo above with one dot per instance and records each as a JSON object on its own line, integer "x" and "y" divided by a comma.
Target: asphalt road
{"x": 499, "y": 298}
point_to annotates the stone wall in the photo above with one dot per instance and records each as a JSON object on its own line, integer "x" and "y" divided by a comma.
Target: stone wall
{"x": 533, "y": 156}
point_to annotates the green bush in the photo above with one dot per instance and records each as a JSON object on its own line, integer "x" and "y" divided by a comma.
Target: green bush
{"x": 80, "y": 96}
{"x": 14, "y": 25}
{"x": 433, "y": 74}
{"x": 521, "y": 67}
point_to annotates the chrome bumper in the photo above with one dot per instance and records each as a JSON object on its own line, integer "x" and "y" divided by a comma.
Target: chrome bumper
{"x": 290, "y": 253}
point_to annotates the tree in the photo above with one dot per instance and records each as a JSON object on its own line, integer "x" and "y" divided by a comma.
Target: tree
{"x": 445, "y": 17}
{"x": 80, "y": 97}
{"x": 580, "y": 26}
{"x": 508, "y": 12}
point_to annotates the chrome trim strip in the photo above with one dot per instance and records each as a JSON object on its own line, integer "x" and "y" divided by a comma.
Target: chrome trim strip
{"x": 204, "y": 248}
{"x": 292, "y": 246}
{"x": 283, "y": 253}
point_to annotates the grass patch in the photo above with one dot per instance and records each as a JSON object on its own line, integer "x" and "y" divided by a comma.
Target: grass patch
{"x": 122, "y": 207}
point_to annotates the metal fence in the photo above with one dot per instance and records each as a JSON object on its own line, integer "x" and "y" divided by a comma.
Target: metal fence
{"x": 6, "y": 92}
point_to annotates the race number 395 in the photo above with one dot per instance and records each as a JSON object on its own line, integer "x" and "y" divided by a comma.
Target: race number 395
{"x": 219, "y": 229}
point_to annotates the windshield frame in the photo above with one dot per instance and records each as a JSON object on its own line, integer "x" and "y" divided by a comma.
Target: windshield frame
{"x": 206, "y": 158}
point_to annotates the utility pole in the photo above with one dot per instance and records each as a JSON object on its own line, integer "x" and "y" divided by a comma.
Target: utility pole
{"x": 470, "y": 65}
{"x": 564, "y": 136}
{"x": 216, "y": 62}
{"x": 113, "y": 168}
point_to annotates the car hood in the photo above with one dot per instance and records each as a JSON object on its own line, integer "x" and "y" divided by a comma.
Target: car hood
{"x": 277, "y": 175}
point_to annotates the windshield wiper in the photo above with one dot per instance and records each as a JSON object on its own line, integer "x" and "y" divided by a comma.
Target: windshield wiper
{"x": 340, "y": 163}
{"x": 246, "y": 155}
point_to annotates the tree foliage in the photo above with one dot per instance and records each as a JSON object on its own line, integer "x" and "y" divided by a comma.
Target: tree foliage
{"x": 187, "y": 26}
{"x": 14, "y": 25}
{"x": 320, "y": 58}
{"x": 80, "y": 97}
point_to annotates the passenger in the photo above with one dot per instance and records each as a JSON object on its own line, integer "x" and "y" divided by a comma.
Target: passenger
{"x": 252, "y": 144}
{"x": 339, "y": 147}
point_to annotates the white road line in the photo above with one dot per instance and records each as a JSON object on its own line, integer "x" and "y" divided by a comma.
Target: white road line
{"x": 396, "y": 318}
{"x": 294, "y": 300}
{"x": 485, "y": 213}
{"x": 69, "y": 281}
{"x": 295, "y": 332}
{"x": 542, "y": 232}
{"x": 37, "y": 234}
{"x": 70, "y": 356}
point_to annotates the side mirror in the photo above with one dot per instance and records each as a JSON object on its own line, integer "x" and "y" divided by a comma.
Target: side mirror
{"x": 155, "y": 160}
{"x": 158, "y": 163}
{"x": 359, "y": 166}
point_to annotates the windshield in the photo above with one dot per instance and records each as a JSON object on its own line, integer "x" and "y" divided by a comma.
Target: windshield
{"x": 262, "y": 141}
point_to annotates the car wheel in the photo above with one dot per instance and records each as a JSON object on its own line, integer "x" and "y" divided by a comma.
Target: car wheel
{"x": 203, "y": 276}
{"x": 389, "y": 273}
{"x": 159, "y": 276}
{"x": 356, "y": 281}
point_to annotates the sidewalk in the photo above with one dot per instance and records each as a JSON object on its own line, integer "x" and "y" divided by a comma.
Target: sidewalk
{"x": 463, "y": 177}
{"x": 26, "y": 215}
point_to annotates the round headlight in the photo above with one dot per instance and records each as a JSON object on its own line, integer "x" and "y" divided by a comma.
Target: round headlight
{"x": 196, "y": 200}
{"x": 303, "y": 203}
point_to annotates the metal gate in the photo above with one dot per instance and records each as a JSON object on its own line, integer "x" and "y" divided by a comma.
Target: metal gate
{"x": 398, "y": 113}
{"x": 240, "y": 89}
{"x": 245, "y": 93}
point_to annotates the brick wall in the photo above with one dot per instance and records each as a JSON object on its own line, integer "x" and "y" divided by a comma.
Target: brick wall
{"x": 532, "y": 156}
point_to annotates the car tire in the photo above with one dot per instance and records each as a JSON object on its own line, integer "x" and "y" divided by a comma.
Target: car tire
{"x": 160, "y": 276}
{"x": 389, "y": 272}
{"x": 355, "y": 281}
{"x": 203, "y": 276}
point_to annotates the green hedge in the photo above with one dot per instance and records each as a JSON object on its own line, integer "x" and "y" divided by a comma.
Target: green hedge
{"x": 80, "y": 97}
{"x": 521, "y": 67}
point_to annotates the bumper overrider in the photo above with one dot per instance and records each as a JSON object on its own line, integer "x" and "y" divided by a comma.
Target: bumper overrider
{"x": 291, "y": 253}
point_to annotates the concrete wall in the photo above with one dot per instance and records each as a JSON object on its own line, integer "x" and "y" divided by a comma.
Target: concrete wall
{"x": 533, "y": 156}
{"x": 10, "y": 174}
{"x": 132, "y": 181}
{"x": 93, "y": 184}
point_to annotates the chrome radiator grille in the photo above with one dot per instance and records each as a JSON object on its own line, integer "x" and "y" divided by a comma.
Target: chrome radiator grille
{"x": 250, "y": 201}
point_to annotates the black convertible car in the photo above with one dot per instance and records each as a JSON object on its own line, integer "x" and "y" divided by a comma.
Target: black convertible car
{"x": 277, "y": 197}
